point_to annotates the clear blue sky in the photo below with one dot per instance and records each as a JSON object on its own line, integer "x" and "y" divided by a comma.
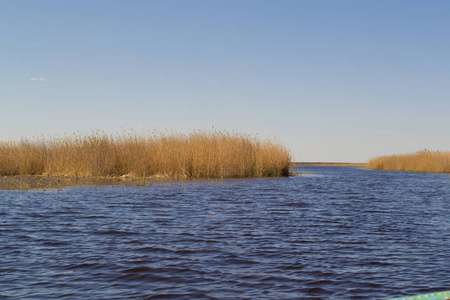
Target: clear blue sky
{"x": 333, "y": 80}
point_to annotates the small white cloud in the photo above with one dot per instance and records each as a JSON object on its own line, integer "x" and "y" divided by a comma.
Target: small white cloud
{"x": 37, "y": 79}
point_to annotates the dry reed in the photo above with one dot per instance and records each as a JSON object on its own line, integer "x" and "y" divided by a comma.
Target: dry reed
{"x": 420, "y": 161}
{"x": 168, "y": 155}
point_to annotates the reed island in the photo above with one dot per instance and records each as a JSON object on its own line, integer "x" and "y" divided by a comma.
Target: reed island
{"x": 420, "y": 161}
{"x": 101, "y": 158}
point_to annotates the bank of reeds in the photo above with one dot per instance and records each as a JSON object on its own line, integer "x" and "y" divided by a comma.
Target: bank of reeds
{"x": 169, "y": 155}
{"x": 420, "y": 161}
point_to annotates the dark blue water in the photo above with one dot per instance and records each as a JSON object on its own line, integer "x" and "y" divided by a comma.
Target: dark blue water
{"x": 332, "y": 233}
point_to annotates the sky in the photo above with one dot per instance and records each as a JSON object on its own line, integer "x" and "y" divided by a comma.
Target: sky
{"x": 334, "y": 81}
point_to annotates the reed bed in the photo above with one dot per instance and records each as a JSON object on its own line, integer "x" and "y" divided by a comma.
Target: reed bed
{"x": 170, "y": 155}
{"x": 420, "y": 161}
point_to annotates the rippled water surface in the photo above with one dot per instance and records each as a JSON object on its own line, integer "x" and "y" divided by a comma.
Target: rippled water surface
{"x": 331, "y": 233}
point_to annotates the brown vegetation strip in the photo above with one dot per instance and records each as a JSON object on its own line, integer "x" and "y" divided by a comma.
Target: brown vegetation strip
{"x": 168, "y": 155}
{"x": 420, "y": 161}
{"x": 26, "y": 182}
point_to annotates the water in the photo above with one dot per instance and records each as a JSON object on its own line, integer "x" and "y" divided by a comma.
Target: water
{"x": 332, "y": 233}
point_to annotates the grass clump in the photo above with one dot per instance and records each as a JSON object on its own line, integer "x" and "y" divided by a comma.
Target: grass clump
{"x": 420, "y": 161}
{"x": 170, "y": 155}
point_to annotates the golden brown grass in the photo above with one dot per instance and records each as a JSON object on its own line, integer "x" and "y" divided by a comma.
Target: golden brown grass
{"x": 420, "y": 161}
{"x": 168, "y": 155}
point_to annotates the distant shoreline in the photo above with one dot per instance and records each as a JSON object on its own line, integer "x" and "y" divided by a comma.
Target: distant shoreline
{"x": 329, "y": 164}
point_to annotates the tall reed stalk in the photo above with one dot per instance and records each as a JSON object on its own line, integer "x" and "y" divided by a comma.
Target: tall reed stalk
{"x": 420, "y": 161}
{"x": 173, "y": 155}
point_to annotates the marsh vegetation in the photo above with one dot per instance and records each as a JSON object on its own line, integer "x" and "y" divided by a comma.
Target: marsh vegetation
{"x": 166, "y": 155}
{"x": 420, "y": 161}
